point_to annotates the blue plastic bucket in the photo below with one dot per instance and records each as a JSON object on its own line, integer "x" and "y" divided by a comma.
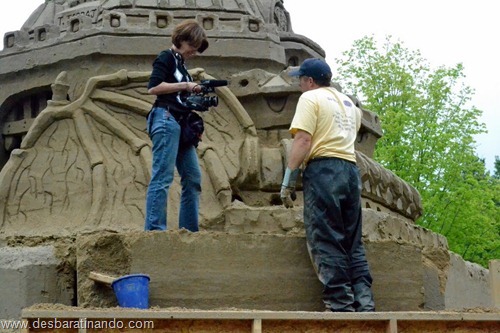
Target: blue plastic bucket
{"x": 132, "y": 291}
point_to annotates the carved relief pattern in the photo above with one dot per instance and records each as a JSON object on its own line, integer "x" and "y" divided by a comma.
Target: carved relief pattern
{"x": 224, "y": 138}
{"x": 385, "y": 188}
{"x": 79, "y": 168}
{"x": 280, "y": 18}
{"x": 51, "y": 181}
{"x": 126, "y": 180}
{"x": 85, "y": 165}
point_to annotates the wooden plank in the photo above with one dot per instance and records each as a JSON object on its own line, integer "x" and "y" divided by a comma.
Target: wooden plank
{"x": 102, "y": 278}
{"x": 257, "y": 326}
{"x": 275, "y": 321}
{"x": 17, "y": 127}
{"x": 495, "y": 283}
{"x": 392, "y": 326}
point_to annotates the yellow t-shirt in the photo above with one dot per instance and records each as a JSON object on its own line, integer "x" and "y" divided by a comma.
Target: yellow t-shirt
{"x": 333, "y": 121}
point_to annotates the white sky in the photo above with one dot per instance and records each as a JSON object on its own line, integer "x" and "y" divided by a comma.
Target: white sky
{"x": 446, "y": 32}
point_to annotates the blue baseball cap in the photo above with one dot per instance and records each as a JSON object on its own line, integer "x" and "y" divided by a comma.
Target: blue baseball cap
{"x": 313, "y": 67}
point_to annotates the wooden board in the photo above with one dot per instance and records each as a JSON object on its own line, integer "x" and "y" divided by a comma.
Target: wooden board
{"x": 102, "y": 278}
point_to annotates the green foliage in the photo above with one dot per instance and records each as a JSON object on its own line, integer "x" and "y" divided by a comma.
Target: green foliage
{"x": 497, "y": 168}
{"x": 429, "y": 128}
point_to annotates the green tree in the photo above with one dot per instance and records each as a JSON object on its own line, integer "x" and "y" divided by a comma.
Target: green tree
{"x": 428, "y": 140}
{"x": 497, "y": 168}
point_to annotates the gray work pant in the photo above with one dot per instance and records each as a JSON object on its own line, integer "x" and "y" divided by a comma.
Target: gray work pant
{"x": 332, "y": 218}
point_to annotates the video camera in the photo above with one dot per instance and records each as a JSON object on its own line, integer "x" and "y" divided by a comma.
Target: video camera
{"x": 200, "y": 102}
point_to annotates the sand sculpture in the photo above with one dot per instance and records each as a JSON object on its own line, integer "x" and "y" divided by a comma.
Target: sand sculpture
{"x": 75, "y": 157}
{"x": 92, "y": 156}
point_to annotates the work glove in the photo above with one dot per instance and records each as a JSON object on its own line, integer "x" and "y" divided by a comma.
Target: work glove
{"x": 287, "y": 194}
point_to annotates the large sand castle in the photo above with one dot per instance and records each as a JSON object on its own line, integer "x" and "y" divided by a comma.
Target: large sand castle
{"x": 75, "y": 163}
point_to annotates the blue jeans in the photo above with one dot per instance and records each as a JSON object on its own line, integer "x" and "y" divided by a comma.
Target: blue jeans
{"x": 164, "y": 132}
{"x": 332, "y": 218}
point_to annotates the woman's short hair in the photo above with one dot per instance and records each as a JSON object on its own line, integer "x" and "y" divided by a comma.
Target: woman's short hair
{"x": 190, "y": 31}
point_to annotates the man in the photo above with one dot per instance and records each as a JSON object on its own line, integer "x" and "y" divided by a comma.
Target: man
{"x": 324, "y": 127}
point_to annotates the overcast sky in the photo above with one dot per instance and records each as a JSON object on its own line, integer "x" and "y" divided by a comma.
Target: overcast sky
{"x": 446, "y": 32}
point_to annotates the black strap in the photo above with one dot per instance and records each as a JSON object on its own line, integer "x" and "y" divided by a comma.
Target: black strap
{"x": 176, "y": 113}
{"x": 322, "y": 158}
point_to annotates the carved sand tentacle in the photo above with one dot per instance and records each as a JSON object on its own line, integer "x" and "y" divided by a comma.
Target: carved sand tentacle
{"x": 54, "y": 113}
{"x": 84, "y": 132}
{"x": 96, "y": 159}
{"x": 134, "y": 76}
{"x": 6, "y": 175}
{"x": 110, "y": 80}
{"x": 238, "y": 110}
{"x": 231, "y": 100}
{"x": 115, "y": 126}
{"x": 42, "y": 122}
{"x": 249, "y": 175}
{"x": 98, "y": 196}
{"x": 132, "y": 104}
{"x": 218, "y": 176}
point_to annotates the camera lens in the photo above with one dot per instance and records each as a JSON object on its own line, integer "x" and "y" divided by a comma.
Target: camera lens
{"x": 213, "y": 101}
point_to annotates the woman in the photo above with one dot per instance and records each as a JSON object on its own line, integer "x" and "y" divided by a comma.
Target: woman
{"x": 171, "y": 82}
